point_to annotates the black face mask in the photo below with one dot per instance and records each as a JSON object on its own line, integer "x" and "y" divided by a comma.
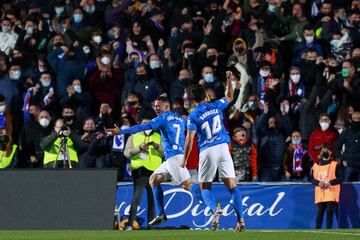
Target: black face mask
{"x": 355, "y": 125}
{"x": 4, "y": 139}
{"x": 141, "y": 77}
{"x": 185, "y": 81}
{"x": 325, "y": 155}
{"x": 356, "y": 24}
{"x": 68, "y": 118}
{"x": 132, "y": 103}
{"x": 333, "y": 70}
{"x": 240, "y": 50}
{"x": 212, "y": 58}
{"x": 356, "y": 60}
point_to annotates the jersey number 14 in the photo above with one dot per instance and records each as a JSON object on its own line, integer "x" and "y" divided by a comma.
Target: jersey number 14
{"x": 216, "y": 127}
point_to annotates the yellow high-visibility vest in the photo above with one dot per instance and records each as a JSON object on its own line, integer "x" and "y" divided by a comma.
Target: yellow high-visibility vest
{"x": 50, "y": 156}
{"x": 153, "y": 158}
{"x": 5, "y": 161}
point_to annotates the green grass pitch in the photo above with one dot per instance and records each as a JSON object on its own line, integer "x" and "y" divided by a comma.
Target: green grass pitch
{"x": 340, "y": 234}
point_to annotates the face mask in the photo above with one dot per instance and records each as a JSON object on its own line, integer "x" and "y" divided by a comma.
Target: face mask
{"x": 90, "y": 10}
{"x": 355, "y": 125}
{"x": 345, "y": 72}
{"x": 4, "y": 139}
{"x": 44, "y": 122}
{"x": 295, "y": 78}
{"x": 78, "y": 17}
{"x": 30, "y": 31}
{"x": 59, "y": 10}
{"x": 356, "y": 24}
{"x": 148, "y": 132}
{"x": 212, "y": 58}
{"x": 296, "y": 142}
{"x": 287, "y": 108}
{"x": 309, "y": 39}
{"x": 239, "y": 49}
{"x": 105, "y": 60}
{"x": 97, "y": 39}
{"x": 264, "y": 73}
{"x": 16, "y": 74}
{"x": 134, "y": 64}
{"x": 141, "y": 77}
{"x": 46, "y": 84}
{"x": 6, "y": 29}
{"x": 68, "y": 118}
{"x": 325, "y": 155}
{"x": 2, "y": 108}
{"x": 272, "y": 8}
{"x": 324, "y": 126}
{"x": 132, "y": 103}
{"x": 188, "y": 54}
{"x": 154, "y": 64}
{"x": 252, "y": 105}
{"x": 77, "y": 88}
{"x": 42, "y": 69}
{"x": 209, "y": 78}
{"x": 335, "y": 43}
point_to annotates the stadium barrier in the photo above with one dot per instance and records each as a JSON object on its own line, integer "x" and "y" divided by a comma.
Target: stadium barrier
{"x": 57, "y": 199}
{"x": 265, "y": 206}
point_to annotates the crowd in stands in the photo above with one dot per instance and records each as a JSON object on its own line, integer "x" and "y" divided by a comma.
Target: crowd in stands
{"x": 74, "y": 68}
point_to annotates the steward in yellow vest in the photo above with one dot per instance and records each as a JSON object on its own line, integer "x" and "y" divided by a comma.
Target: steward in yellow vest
{"x": 145, "y": 151}
{"x": 8, "y": 153}
{"x": 327, "y": 177}
{"x": 53, "y": 143}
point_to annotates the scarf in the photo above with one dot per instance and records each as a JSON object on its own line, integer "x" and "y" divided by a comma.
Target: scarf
{"x": 299, "y": 152}
{"x": 2, "y": 120}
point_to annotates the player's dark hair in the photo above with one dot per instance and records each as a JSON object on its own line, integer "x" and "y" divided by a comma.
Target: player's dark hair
{"x": 163, "y": 99}
{"x": 198, "y": 93}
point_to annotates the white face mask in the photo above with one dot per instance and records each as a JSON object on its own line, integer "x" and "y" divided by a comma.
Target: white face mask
{"x": 324, "y": 126}
{"x": 295, "y": 78}
{"x": 287, "y": 108}
{"x": 2, "y": 108}
{"x": 16, "y": 74}
{"x": 264, "y": 73}
{"x": 42, "y": 69}
{"x": 44, "y": 122}
{"x": 105, "y": 60}
{"x": 309, "y": 39}
{"x": 97, "y": 39}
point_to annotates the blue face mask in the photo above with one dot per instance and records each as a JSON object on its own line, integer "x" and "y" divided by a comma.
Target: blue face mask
{"x": 59, "y": 10}
{"x": 30, "y": 31}
{"x": 16, "y": 75}
{"x": 90, "y": 10}
{"x": 46, "y": 84}
{"x": 134, "y": 64}
{"x": 296, "y": 142}
{"x": 209, "y": 78}
{"x": 78, "y": 17}
{"x": 271, "y": 8}
{"x": 154, "y": 64}
{"x": 77, "y": 88}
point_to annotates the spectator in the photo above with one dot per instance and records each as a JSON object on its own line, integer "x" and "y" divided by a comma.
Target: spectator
{"x": 244, "y": 155}
{"x": 325, "y": 134}
{"x": 8, "y": 37}
{"x": 348, "y": 149}
{"x": 327, "y": 177}
{"x": 296, "y": 160}
{"x": 30, "y": 137}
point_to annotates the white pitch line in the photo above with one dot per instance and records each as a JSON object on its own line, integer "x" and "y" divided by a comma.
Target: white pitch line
{"x": 318, "y": 232}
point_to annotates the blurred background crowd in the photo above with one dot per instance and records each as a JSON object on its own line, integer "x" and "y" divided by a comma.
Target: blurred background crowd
{"x": 71, "y": 68}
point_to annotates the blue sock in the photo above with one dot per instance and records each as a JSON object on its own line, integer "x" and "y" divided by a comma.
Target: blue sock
{"x": 159, "y": 200}
{"x": 237, "y": 202}
{"x": 209, "y": 199}
{"x": 196, "y": 192}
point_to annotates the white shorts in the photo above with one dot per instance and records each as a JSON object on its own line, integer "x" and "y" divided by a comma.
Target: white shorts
{"x": 216, "y": 158}
{"x": 171, "y": 169}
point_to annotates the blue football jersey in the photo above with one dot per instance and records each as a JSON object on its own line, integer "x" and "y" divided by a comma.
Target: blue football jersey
{"x": 172, "y": 129}
{"x": 207, "y": 121}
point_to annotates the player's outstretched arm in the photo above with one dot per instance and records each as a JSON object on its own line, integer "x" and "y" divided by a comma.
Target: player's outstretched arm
{"x": 130, "y": 130}
{"x": 189, "y": 141}
{"x": 230, "y": 91}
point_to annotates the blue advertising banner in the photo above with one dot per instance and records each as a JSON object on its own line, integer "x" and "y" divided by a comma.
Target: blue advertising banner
{"x": 265, "y": 206}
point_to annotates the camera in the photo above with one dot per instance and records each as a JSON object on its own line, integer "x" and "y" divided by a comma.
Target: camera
{"x": 63, "y": 129}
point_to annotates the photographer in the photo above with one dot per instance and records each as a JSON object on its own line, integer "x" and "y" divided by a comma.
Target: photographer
{"x": 327, "y": 176}
{"x": 56, "y": 144}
